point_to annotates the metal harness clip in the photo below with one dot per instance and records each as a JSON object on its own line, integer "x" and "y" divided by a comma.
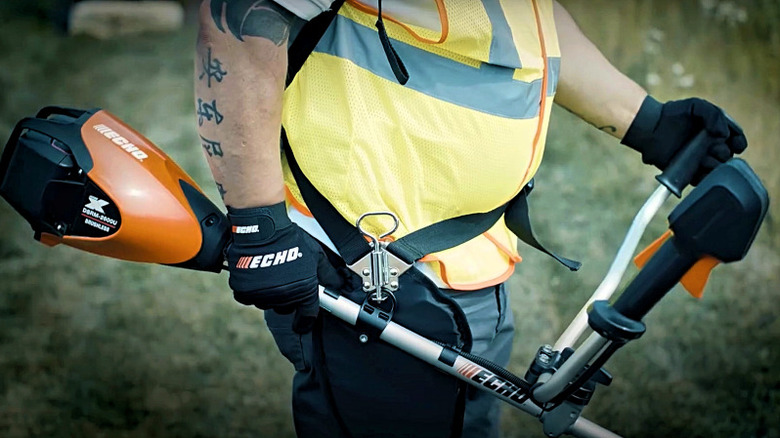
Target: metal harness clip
{"x": 379, "y": 268}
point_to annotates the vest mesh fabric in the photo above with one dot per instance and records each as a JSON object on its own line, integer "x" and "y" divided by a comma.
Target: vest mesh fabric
{"x": 426, "y": 151}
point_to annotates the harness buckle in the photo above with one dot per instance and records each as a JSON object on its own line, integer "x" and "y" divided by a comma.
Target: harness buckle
{"x": 379, "y": 268}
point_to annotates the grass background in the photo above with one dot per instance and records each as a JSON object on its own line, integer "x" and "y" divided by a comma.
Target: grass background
{"x": 96, "y": 347}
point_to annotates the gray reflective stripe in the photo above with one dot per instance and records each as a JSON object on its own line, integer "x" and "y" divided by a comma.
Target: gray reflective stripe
{"x": 502, "y": 47}
{"x": 489, "y": 89}
{"x": 553, "y": 70}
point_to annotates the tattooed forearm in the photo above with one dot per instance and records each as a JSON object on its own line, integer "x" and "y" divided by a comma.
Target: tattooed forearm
{"x": 208, "y": 111}
{"x": 241, "y": 63}
{"x": 212, "y": 69}
{"x": 213, "y": 148}
{"x": 253, "y": 18}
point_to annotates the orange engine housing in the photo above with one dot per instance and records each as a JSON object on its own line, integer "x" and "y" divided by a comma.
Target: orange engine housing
{"x": 88, "y": 180}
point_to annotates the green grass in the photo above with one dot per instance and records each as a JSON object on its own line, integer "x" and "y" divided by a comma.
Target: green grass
{"x": 97, "y": 347}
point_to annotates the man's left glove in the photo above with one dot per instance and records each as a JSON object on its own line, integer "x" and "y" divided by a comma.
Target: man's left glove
{"x": 659, "y": 131}
{"x": 274, "y": 264}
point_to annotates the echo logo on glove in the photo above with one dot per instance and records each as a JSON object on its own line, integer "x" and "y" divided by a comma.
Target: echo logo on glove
{"x": 247, "y": 229}
{"x": 266, "y": 260}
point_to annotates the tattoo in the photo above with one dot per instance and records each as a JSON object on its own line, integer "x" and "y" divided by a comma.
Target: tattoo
{"x": 208, "y": 111}
{"x": 212, "y": 69}
{"x": 221, "y": 190}
{"x": 254, "y": 18}
{"x": 605, "y": 128}
{"x": 212, "y": 147}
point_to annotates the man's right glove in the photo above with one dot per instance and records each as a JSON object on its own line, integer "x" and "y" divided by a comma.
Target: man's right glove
{"x": 274, "y": 264}
{"x": 659, "y": 131}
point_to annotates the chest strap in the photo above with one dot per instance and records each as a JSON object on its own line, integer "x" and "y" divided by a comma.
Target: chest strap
{"x": 446, "y": 234}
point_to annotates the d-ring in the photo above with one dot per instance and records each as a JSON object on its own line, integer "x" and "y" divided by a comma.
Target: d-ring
{"x": 377, "y": 213}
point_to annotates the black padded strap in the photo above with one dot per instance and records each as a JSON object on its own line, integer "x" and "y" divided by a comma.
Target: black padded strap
{"x": 453, "y": 232}
{"x": 518, "y": 221}
{"x": 307, "y": 39}
{"x": 436, "y": 237}
{"x": 444, "y": 235}
{"x": 352, "y": 246}
{"x": 345, "y": 236}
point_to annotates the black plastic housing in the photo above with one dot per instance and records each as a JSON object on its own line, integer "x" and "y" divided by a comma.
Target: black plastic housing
{"x": 44, "y": 175}
{"x": 613, "y": 325}
{"x": 43, "y": 168}
{"x": 720, "y": 218}
{"x": 215, "y": 231}
{"x": 722, "y": 215}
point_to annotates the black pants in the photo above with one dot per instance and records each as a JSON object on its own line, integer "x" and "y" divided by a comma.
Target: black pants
{"x": 344, "y": 388}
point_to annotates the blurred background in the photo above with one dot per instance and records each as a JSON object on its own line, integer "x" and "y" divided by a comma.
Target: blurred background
{"x": 96, "y": 347}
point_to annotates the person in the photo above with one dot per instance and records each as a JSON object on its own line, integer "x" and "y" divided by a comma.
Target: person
{"x": 433, "y": 111}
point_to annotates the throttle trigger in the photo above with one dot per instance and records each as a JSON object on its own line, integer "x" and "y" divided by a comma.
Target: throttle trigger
{"x": 696, "y": 278}
{"x": 645, "y": 255}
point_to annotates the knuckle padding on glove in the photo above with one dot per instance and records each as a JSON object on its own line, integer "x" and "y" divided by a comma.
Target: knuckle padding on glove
{"x": 291, "y": 293}
{"x": 737, "y": 142}
{"x": 720, "y": 152}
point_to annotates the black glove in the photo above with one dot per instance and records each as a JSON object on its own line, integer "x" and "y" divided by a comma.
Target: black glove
{"x": 274, "y": 264}
{"x": 660, "y": 130}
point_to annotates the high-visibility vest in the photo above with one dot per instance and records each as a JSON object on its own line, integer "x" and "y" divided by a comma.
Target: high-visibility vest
{"x": 463, "y": 136}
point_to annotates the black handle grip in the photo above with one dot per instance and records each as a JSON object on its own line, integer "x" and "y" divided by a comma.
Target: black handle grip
{"x": 680, "y": 171}
{"x": 657, "y": 277}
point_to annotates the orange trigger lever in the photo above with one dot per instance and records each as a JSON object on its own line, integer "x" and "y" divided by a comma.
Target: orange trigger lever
{"x": 695, "y": 279}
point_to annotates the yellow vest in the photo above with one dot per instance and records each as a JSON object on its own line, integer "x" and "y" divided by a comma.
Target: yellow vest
{"x": 463, "y": 136}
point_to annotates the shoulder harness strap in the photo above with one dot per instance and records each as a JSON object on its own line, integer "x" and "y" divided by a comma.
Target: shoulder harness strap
{"x": 449, "y": 233}
{"x": 307, "y": 39}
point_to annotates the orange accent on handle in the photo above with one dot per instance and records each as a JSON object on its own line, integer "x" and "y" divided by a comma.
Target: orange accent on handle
{"x": 696, "y": 278}
{"x": 50, "y": 239}
{"x": 642, "y": 258}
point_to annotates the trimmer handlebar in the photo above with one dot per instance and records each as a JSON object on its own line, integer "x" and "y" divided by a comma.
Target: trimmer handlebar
{"x": 680, "y": 171}
{"x": 76, "y": 153}
{"x": 658, "y": 277}
{"x": 718, "y": 220}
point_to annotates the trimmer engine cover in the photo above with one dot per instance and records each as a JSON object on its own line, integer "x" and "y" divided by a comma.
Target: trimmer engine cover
{"x": 86, "y": 179}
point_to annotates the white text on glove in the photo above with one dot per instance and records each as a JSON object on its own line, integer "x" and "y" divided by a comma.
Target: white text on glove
{"x": 266, "y": 260}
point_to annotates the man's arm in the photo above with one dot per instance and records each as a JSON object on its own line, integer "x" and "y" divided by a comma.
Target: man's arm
{"x": 592, "y": 88}
{"x": 240, "y": 70}
{"x": 589, "y": 85}
{"x": 240, "y": 74}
